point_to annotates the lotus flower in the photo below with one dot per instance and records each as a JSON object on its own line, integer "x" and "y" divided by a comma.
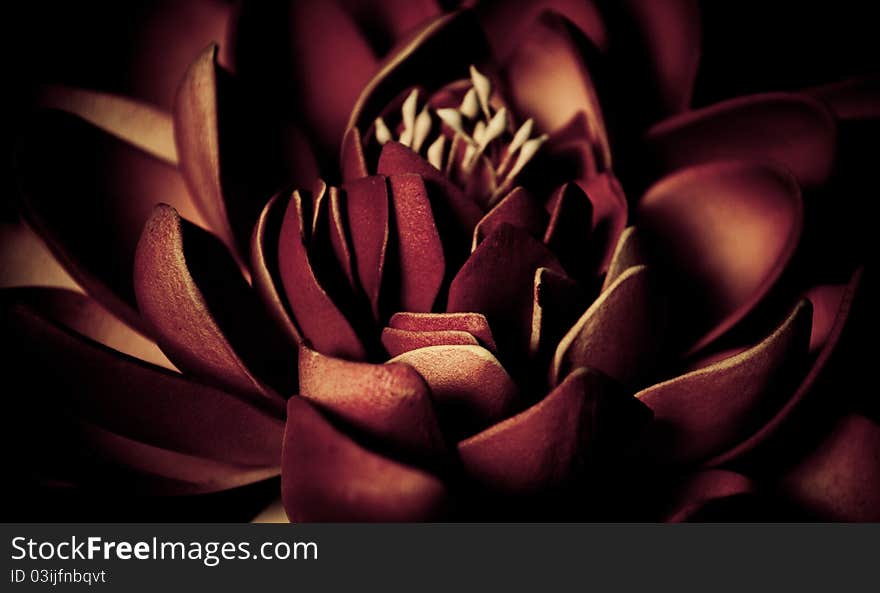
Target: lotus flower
{"x": 428, "y": 265}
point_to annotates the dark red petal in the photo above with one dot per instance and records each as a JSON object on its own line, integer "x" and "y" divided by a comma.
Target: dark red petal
{"x": 794, "y": 132}
{"x": 368, "y": 224}
{"x": 139, "y": 401}
{"x": 704, "y": 488}
{"x": 703, "y": 412}
{"x": 471, "y": 388}
{"x": 620, "y": 334}
{"x": 398, "y": 341}
{"x": 456, "y": 215}
{"x": 321, "y": 322}
{"x": 726, "y": 230}
{"x": 473, "y": 323}
{"x": 77, "y": 312}
{"x": 388, "y": 401}
{"x": 326, "y": 476}
{"x": 549, "y": 81}
{"x": 549, "y": 444}
{"x": 517, "y": 208}
{"x": 827, "y": 300}
{"x": 389, "y": 21}
{"x": 354, "y": 164}
{"x": 227, "y": 153}
{"x": 205, "y": 316}
{"x": 497, "y": 280}
{"x": 787, "y": 412}
{"x": 568, "y": 232}
{"x": 557, "y": 301}
{"x": 26, "y": 261}
{"x": 840, "y": 480}
{"x": 609, "y": 214}
{"x": 855, "y": 99}
{"x": 627, "y": 254}
{"x": 264, "y": 267}
{"x": 421, "y": 264}
{"x": 88, "y": 194}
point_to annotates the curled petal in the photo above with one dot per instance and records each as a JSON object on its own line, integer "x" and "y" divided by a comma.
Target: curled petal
{"x": 321, "y": 322}
{"x": 840, "y": 480}
{"x": 115, "y": 186}
{"x": 421, "y": 263}
{"x": 475, "y": 324}
{"x": 726, "y": 230}
{"x": 132, "y": 398}
{"x": 326, "y": 476}
{"x": 620, "y": 334}
{"x": 206, "y": 318}
{"x": 517, "y": 208}
{"x": 388, "y": 401}
{"x": 549, "y": 444}
{"x": 794, "y": 132}
{"x": 609, "y": 215}
{"x": 568, "y": 231}
{"x": 550, "y": 81}
{"x": 470, "y": 386}
{"x": 627, "y": 254}
{"x": 705, "y": 488}
{"x": 354, "y": 164}
{"x": 264, "y": 268}
{"x": 855, "y": 99}
{"x": 398, "y": 341}
{"x": 369, "y": 227}
{"x": 703, "y": 412}
{"x": 497, "y": 281}
{"x": 557, "y": 302}
{"x": 827, "y": 300}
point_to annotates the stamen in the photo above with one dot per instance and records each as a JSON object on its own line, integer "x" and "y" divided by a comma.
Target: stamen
{"x": 383, "y": 134}
{"x": 483, "y": 86}
{"x": 409, "y": 117}
{"x": 452, "y": 118}
{"x": 421, "y": 128}
{"x": 470, "y": 105}
{"x": 435, "y": 152}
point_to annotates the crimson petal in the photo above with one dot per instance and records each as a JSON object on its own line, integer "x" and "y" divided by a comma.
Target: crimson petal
{"x": 627, "y": 254}
{"x": 368, "y": 224}
{"x": 703, "y": 412}
{"x": 326, "y": 476}
{"x": 568, "y": 232}
{"x": 398, "y": 341}
{"x": 794, "y": 132}
{"x": 549, "y": 444}
{"x": 726, "y": 230}
{"x": 517, "y": 208}
{"x": 206, "y": 318}
{"x": 475, "y": 324}
{"x": 704, "y": 488}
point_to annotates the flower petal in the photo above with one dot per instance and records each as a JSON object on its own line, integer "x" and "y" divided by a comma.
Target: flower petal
{"x": 627, "y": 254}
{"x": 321, "y": 322}
{"x": 26, "y": 261}
{"x": 773, "y": 429}
{"x": 497, "y": 280}
{"x": 854, "y": 99}
{"x": 398, "y": 341}
{"x": 473, "y": 323}
{"x": 610, "y": 213}
{"x": 354, "y": 163}
{"x": 471, "y": 388}
{"x": 549, "y": 444}
{"x": 77, "y": 312}
{"x": 703, "y": 412}
{"x": 229, "y": 155}
{"x": 114, "y": 188}
{"x": 369, "y": 227}
{"x": 517, "y": 208}
{"x": 420, "y": 263}
{"x": 265, "y": 271}
{"x": 794, "y": 132}
{"x": 549, "y": 81}
{"x": 705, "y": 488}
{"x": 388, "y": 401}
{"x": 568, "y": 232}
{"x": 132, "y": 398}
{"x": 557, "y": 301}
{"x": 620, "y": 334}
{"x": 206, "y": 318}
{"x": 840, "y": 480}
{"x": 326, "y": 476}
{"x": 726, "y": 230}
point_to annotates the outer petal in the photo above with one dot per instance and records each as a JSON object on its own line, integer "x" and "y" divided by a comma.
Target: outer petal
{"x": 398, "y": 341}
{"x": 369, "y": 226}
{"x": 705, "y": 488}
{"x": 475, "y": 324}
{"x": 620, "y": 334}
{"x": 705, "y": 411}
{"x": 794, "y": 132}
{"x": 726, "y": 230}
{"x": 549, "y": 444}
{"x": 470, "y": 386}
{"x": 627, "y": 254}
{"x": 568, "y": 231}
{"x": 206, "y": 317}
{"x": 326, "y": 476}
{"x": 87, "y": 193}
{"x": 840, "y": 480}
{"x": 390, "y": 402}
{"x": 26, "y": 261}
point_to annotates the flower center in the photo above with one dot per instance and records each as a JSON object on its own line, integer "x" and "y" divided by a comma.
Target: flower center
{"x": 476, "y": 144}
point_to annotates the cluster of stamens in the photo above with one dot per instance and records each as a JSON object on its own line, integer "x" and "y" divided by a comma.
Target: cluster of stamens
{"x": 474, "y": 136}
